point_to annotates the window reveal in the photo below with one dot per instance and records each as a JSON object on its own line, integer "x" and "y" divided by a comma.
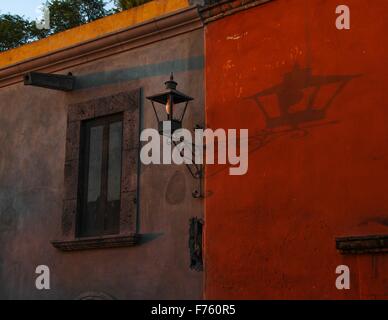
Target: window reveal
{"x": 100, "y": 171}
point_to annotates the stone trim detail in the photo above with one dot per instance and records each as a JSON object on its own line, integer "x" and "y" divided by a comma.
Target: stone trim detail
{"x": 128, "y": 103}
{"x": 95, "y": 296}
{"x": 220, "y": 9}
{"x": 363, "y": 244}
{"x": 97, "y": 242}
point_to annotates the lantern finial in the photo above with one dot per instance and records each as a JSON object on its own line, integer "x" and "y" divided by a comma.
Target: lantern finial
{"x": 171, "y": 84}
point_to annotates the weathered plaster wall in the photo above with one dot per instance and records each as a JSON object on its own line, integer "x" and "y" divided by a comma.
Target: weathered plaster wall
{"x": 32, "y": 139}
{"x": 271, "y": 233}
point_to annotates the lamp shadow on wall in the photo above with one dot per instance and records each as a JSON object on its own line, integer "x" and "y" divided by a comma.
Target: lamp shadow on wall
{"x": 149, "y": 237}
{"x": 293, "y": 107}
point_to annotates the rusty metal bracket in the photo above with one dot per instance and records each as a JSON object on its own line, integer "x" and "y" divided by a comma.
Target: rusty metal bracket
{"x": 195, "y": 244}
{"x": 363, "y": 244}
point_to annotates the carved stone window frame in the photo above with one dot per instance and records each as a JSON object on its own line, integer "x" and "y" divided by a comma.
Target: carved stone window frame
{"x": 127, "y": 103}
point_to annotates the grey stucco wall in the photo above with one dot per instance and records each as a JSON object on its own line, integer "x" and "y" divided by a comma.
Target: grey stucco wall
{"x": 32, "y": 154}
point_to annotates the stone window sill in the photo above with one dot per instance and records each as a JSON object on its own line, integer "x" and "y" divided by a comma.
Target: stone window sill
{"x": 103, "y": 242}
{"x": 363, "y": 244}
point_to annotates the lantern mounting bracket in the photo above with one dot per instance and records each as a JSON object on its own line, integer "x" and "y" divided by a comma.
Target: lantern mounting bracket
{"x": 195, "y": 170}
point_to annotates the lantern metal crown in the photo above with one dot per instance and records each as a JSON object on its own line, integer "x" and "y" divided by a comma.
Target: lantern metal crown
{"x": 175, "y": 103}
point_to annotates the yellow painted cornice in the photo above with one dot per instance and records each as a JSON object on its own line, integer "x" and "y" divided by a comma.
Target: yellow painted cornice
{"x": 91, "y": 31}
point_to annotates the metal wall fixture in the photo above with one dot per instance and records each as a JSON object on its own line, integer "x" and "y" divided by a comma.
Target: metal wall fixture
{"x": 172, "y": 106}
{"x": 195, "y": 244}
{"x": 50, "y": 81}
{"x": 175, "y": 105}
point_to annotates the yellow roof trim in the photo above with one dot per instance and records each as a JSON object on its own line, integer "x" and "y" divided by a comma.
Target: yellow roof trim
{"x": 91, "y": 30}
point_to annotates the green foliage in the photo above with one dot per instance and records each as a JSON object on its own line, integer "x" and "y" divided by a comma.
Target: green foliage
{"x": 14, "y": 31}
{"x": 64, "y": 14}
{"x": 127, "y": 4}
{"x": 92, "y": 10}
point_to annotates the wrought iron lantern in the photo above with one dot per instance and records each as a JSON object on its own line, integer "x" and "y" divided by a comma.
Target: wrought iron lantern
{"x": 174, "y": 104}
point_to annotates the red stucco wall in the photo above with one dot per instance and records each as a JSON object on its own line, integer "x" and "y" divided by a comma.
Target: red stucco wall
{"x": 271, "y": 233}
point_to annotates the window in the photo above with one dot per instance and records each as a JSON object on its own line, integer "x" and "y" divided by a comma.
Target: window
{"x": 101, "y": 173}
